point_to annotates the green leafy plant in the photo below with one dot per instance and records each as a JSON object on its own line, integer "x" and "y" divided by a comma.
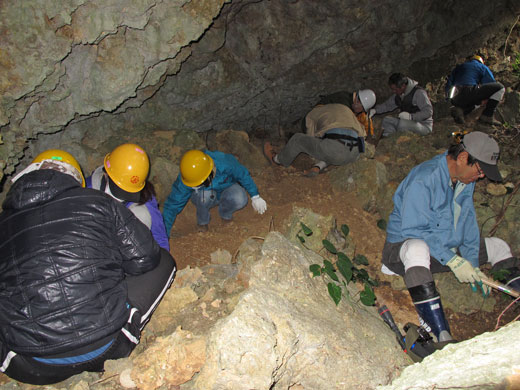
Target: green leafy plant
{"x": 500, "y": 275}
{"x": 381, "y": 224}
{"x": 306, "y": 230}
{"x": 516, "y": 65}
{"x": 342, "y": 271}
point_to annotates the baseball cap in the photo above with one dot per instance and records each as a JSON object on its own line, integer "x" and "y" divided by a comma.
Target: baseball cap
{"x": 485, "y": 150}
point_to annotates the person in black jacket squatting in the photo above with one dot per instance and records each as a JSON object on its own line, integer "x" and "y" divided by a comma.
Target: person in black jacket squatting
{"x": 80, "y": 275}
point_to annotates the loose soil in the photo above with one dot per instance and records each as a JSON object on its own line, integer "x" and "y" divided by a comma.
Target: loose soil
{"x": 285, "y": 188}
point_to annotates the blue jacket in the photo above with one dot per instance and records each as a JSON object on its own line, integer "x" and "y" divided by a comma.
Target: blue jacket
{"x": 228, "y": 171}
{"x": 424, "y": 209}
{"x": 470, "y": 73}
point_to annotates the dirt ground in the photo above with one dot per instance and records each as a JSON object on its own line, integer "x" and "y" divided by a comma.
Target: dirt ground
{"x": 284, "y": 188}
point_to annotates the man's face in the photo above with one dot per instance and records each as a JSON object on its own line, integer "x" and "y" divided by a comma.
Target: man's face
{"x": 467, "y": 173}
{"x": 357, "y": 107}
{"x": 397, "y": 90}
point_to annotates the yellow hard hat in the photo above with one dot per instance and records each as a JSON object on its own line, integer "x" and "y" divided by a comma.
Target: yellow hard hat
{"x": 195, "y": 167}
{"x": 128, "y": 166}
{"x": 60, "y": 155}
{"x": 478, "y": 58}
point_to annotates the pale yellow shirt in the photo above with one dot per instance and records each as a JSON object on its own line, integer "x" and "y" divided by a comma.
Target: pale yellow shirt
{"x": 332, "y": 116}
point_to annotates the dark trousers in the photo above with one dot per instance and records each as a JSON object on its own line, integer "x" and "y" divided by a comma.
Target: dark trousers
{"x": 144, "y": 293}
{"x": 471, "y": 96}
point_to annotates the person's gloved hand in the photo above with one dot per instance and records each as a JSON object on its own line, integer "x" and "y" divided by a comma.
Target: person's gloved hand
{"x": 466, "y": 273}
{"x": 259, "y": 204}
{"x": 371, "y": 112}
{"x": 405, "y": 115}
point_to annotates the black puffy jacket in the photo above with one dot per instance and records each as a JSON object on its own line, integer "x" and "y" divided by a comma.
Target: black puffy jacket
{"x": 64, "y": 253}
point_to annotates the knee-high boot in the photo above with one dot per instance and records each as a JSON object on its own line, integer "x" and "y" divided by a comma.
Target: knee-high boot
{"x": 428, "y": 305}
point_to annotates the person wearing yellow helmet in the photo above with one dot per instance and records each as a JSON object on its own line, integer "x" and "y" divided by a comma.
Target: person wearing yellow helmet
{"x": 56, "y": 159}
{"x": 123, "y": 176}
{"x": 210, "y": 179}
{"x": 471, "y": 85}
{"x": 80, "y": 274}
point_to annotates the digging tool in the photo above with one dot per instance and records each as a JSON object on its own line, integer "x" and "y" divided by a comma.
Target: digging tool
{"x": 416, "y": 343}
{"x": 501, "y": 287}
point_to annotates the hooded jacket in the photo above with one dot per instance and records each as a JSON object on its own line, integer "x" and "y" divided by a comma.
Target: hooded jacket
{"x": 423, "y": 109}
{"x": 64, "y": 254}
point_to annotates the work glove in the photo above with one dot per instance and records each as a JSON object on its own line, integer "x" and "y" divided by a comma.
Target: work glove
{"x": 259, "y": 204}
{"x": 466, "y": 273}
{"x": 371, "y": 112}
{"x": 405, "y": 115}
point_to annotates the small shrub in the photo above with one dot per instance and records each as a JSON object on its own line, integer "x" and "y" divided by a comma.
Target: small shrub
{"x": 342, "y": 271}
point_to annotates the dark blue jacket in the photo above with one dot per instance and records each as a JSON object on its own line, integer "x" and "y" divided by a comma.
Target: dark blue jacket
{"x": 470, "y": 73}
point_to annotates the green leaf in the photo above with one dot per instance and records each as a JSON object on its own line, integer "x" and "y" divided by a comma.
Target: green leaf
{"x": 334, "y": 292}
{"x": 373, "y": 282}
{"x": 360, "y": 259}
{"x": 345, "y": 258}
{"x": 305, "y": 229}
{"x": 500, "y": 275}
{"x": 345, "y": 230}
{"x": 329, "y": 246}
{"x": 345, "y": 267}
{"x": 315, "y": 269}
{"x": 302, "y": 240}
{"x": 361, "y": 274}
{"x": 329, "y": 270}
{"x": 381, "y": 224}
{"x": 367, "y": 296}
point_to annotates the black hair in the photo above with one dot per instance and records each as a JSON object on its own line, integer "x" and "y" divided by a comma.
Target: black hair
{"x": 206, "y": 183}
{"x": 147, "y": 192}
{"x": 397, "y": 79}
{"x": 455, "y": 149}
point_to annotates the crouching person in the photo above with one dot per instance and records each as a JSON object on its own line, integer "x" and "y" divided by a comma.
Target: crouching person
{"x": 433, "y": 228}
{"x": 80, "y": 275}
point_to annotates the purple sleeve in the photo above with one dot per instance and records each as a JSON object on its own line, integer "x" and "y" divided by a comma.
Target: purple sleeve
{"x": 158, "y": 229}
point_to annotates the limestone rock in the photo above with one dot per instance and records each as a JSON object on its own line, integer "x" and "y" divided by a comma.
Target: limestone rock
{"x": 489, "y": 361}
{"x": 271, "y": 339}
{"x": 496, "y": 189}
{"x": 237, "y": 143}
{"x": 170, "y": 361}
{"x": 318, "y": 224}
{"x": 365, "y": 177}
{"x": 221, "y": 257}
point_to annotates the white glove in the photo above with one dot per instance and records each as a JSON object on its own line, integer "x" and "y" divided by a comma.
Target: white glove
{"x": 371, "y": 112}
{"x": 405, "y": 115}
{"x": 466, "y": 273}
{"x": 259, "y": 204}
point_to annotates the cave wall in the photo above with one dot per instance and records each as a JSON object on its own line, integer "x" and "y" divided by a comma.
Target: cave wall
{"x": 106, "y": 70}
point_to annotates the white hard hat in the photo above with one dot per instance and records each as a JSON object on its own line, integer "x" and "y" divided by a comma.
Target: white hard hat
{"x": 367, "y": 97}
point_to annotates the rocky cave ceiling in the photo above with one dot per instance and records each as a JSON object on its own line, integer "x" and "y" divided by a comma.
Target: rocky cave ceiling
{"x": 204, "y": 65}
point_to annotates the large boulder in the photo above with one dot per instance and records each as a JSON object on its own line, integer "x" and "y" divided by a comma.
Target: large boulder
{"x": 489, "y": 361}
{"x": 285, "y": 331}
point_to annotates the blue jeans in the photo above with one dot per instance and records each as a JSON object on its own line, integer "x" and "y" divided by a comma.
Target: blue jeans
{"x": 231, "y": 199}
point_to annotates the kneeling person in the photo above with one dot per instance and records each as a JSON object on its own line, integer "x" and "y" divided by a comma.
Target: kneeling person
{"x": 123, "y": 176}
{"x": 433, "y": 227}
{"x": 335, "y": 134}
{"x": 80, "y": 275}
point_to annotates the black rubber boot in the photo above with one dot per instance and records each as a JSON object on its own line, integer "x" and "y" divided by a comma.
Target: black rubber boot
{"x": 428, "y": 305}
